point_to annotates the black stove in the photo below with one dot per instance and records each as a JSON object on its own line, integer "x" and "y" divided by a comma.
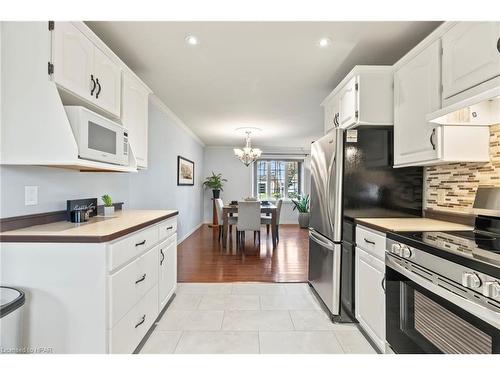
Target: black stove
{"x": 443, "y": 290}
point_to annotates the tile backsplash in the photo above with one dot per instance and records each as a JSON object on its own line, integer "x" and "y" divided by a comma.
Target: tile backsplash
{"x": 452, "y": 187}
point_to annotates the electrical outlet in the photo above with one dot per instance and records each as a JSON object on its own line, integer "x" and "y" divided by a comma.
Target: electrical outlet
{"x": 441, "y": 196}
{"x": 30, "y": 195}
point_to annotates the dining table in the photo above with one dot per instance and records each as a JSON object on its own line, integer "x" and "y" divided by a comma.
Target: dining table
{"x": 267, "y": 209}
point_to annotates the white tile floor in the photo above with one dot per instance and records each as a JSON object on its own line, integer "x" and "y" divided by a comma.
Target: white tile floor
{"x": 250, "y": 318}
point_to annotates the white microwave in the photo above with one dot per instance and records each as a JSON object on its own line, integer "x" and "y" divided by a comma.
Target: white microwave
{"x": 97, "y": 137}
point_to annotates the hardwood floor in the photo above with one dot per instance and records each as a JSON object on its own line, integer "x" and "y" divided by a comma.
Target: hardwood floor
{"x": 201, "y": 257}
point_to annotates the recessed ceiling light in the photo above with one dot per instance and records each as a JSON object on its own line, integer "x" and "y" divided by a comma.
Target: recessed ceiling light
{"x": 191, "y": 40}
{"x": 324, "y": 42}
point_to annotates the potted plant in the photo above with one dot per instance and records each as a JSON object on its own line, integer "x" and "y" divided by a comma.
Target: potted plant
{"x": 109, "y": 209}
{"x": 215, "y": 182}
{"x": 302, "y": 205}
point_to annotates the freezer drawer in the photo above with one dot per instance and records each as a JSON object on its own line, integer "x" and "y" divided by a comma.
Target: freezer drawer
{"x": 324, "y": 270}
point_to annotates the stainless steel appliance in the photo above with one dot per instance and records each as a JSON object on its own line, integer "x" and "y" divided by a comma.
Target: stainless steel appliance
{"x": 443, "y": 290}
{"x": 97, "y": 137}
{"x": 352, "y": 176}
{"x": 326, "y": 215}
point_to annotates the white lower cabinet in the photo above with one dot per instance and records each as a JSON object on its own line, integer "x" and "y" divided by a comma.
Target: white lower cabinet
{"x": 129, "y": 331}
{"x": 369, "y": 290}
{"x": 139, "y": 290}
{"x": 168, "y": 270}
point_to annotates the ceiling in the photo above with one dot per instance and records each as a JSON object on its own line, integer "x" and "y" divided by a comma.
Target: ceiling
{"x": 270, "y": 75}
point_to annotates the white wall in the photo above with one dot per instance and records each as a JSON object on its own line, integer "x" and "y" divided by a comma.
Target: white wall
{"x": 55, "y": 186}
{"x": 239, "y": 185}
{"x": 156, "y": 187}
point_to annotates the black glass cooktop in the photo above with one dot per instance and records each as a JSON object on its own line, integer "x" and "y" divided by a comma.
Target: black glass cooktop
{"x": 474, "y": 245}
{"x": 465, "y": 239}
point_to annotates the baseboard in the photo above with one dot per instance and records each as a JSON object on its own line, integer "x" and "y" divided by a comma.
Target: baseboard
{"x": 179, "y": 241}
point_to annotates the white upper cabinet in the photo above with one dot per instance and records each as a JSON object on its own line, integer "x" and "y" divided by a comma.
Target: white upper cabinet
{"x": 82, "y": 69}
{"x": 348, "y": 103}
{"x": 74, "y": 59}
{"x": 471, "y": 55}
{"x": 364, "y": 97}
{"x": 416, "y": 93}
{"x": 135, "y": 117}
{"x": 108, "y": 82}
{"x": 331, "y": 114}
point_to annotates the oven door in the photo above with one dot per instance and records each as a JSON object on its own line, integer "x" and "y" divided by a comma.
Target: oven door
{"x": 422, "y": 317}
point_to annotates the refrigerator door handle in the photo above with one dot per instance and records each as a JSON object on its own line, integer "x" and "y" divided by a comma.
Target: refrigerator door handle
{"x": 322, "y": 241}
{"x": 327, "y": 194}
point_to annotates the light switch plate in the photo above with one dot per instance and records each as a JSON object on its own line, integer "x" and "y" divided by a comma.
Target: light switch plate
{"x": 30, "y": 195}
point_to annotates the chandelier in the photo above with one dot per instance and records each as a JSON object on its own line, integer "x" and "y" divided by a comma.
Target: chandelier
{"x": 247, "y": 155}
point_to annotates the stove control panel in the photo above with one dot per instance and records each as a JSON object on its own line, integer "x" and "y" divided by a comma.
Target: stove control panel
{"x": 477, "y": 285}
{"x": 491, "y": 289}
{"x": 400, "y": 250}
{"x": 471, "y": 280}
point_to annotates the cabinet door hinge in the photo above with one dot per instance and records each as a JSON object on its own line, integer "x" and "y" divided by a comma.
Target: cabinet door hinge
{"x": 356, "y": 87}
{"x": 51, "y": 25}
{"x": 51, "y": 68}
{"x": 356, "y": 114}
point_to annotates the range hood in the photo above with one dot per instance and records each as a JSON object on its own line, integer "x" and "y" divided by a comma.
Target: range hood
{"x": 479, "y": 109}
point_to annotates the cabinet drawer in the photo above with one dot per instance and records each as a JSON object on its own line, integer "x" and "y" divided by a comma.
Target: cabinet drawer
{"x": 131, "y": 283}
{"x": 167, "y": 228}
{"x": 127, "y": 248}
{"x": 371, "y": 241}
{"x": 130, "y": 330}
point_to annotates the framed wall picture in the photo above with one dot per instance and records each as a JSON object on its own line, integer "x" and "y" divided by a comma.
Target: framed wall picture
{"x": 185, "y": 172}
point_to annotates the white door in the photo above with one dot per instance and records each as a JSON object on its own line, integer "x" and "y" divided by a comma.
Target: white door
{"x": 370, "y": 296}
{"x": 471, "y": 55}
{"x": 135, "y": 117}
{"x": 73, "y": 59}
{"x": 108, "y": 78}
{"x": 417, "y": 92}
{"x": 168, "y": 271}
{"x": 348, "y": 104}
{"x": 331, "y": 114}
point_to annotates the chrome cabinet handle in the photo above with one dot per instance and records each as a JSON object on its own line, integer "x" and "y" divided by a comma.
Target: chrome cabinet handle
{"x": 140, "y": 243}
{"x": 431, "y": 138}
{"x": 162, "y": 257}
{"x": 141, "y": 279}
{"x": 143, "y": 319}
{"x": 498, "y": 44}
{"x": 170, "y": 227}
{"x": 368, "y": 241}
{"x": 93, "y": 85}
{"x": 383, "y": 283}
{"x": 98, "y": 91}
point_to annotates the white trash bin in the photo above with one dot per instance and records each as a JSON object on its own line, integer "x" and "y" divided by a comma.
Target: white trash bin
{"x": 11, "y": 306}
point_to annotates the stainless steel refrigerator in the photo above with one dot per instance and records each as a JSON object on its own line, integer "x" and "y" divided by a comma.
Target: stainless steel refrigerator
{"x": 352, "y": 176}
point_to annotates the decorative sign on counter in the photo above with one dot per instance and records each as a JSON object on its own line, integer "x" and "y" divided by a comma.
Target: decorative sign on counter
{"x": 88, "y": 205}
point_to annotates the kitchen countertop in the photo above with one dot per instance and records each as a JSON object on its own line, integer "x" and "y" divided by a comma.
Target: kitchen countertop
{"x": 97, "y": 229}
{"x": 419, "y": 224}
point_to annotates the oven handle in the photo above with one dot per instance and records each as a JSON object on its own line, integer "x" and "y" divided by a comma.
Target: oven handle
{"x": 489, "y": 316}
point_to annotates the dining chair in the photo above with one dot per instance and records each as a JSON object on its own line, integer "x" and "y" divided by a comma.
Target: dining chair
{"x": 219, "y": 204}
{"x": 248, "y": 219}
{"x": 267, "y": 220}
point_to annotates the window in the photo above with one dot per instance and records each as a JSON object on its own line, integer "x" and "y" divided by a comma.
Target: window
{"x": 275, "y": 179}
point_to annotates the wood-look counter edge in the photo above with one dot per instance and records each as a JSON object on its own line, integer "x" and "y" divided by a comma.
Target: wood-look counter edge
{"x": 84, "y": 239}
